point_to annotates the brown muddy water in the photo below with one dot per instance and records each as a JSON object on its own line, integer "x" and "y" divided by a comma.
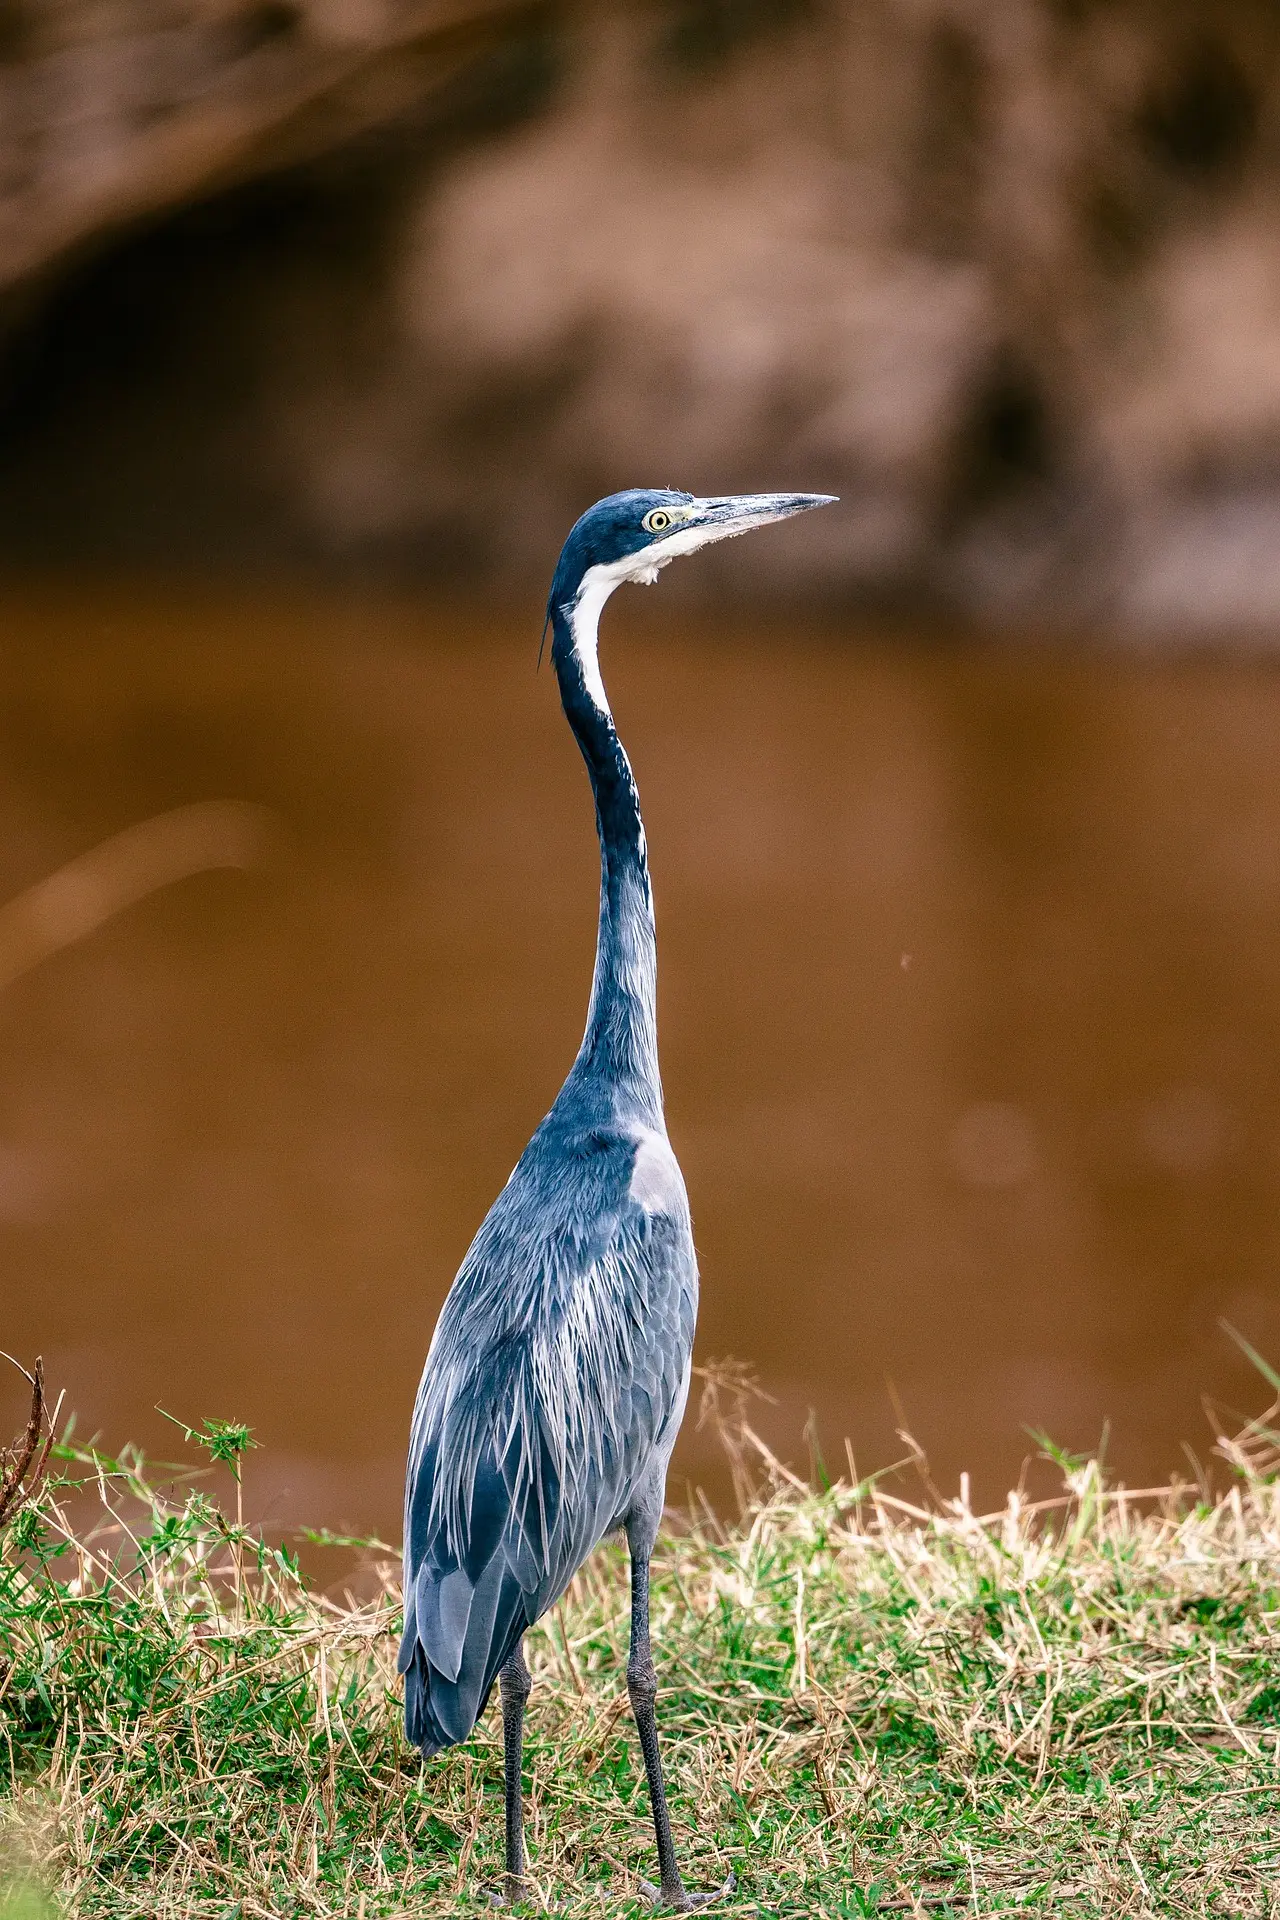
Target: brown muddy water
{"x": 970, "y": 1015}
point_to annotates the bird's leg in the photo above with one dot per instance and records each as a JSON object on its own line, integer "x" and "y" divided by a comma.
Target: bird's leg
{"x": 514, "y": 1685}
{"x": 642, "y": 1685}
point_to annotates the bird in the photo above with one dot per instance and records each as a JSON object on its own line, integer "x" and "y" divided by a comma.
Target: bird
{"x": 558, "y": 1372}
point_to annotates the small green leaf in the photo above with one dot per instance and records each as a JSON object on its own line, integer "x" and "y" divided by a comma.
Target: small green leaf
{"x": 225, "y": 1441}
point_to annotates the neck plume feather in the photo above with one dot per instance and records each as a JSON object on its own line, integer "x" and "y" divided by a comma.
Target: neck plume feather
{"x": 620, "y": 1045}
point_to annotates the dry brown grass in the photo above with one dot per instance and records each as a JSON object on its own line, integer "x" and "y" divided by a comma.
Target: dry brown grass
{"x": 869, "y": 1705}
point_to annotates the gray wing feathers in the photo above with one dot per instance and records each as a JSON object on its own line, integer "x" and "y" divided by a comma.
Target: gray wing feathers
{"x": 444, "y": 1614}
{"x": 548, "y": 1393}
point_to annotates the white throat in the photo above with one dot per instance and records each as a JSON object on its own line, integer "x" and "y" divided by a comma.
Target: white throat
{"x": 642, "y": 569}
{"x": 584, "y": 623}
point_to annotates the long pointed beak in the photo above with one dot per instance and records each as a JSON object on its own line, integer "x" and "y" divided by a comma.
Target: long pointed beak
{"x": 705, "y": 521}
{"x": 732, "y": 514}
{"x": 759, "y": 509}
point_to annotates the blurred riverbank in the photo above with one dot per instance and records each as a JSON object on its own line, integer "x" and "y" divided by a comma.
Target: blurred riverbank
{"x": 397, "y": 287}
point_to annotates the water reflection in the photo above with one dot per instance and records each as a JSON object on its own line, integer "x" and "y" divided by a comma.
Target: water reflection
{"x": 970, "y": 983}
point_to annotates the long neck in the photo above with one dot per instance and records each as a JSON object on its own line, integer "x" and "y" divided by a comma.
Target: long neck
{"x": 620, "y": 1047}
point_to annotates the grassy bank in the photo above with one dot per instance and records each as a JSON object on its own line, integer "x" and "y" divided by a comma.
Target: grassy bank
{"x": 869, "y": 1706}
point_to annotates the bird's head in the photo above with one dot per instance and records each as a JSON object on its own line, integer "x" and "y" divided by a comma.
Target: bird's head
{"x": 632, "y": 535}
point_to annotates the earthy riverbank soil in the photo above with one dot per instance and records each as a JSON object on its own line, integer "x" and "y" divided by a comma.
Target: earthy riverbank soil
{"x": 367, "y": 282}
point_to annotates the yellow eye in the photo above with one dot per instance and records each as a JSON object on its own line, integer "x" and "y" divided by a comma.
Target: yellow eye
{"x": 656, "y": 522}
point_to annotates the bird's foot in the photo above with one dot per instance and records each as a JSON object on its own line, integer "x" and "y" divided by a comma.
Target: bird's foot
{"x": 515, "y": 1891}
{"x": 677, "y": 1899}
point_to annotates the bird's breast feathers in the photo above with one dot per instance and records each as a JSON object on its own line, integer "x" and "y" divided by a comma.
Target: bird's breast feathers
{"x": 594, "y": 1223}
{"x": 656, "y": 1183}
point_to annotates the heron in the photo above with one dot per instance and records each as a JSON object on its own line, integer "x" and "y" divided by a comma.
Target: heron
{"x": 557, "y": 1376}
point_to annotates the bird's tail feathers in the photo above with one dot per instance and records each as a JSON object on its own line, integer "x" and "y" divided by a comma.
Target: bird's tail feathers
{"x": 421, "y": 1723}
{"x": 454, "y": 1645}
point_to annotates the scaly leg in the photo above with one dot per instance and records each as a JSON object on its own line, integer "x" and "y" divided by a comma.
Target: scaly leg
{"x": 514, "y": 1685}
{"x": 642, "y": 1685}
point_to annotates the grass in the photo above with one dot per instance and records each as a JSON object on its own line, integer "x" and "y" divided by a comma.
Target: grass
{"x": 869, "y": 1706}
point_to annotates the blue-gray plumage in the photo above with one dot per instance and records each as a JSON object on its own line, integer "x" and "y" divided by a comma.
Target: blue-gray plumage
{"x": 559, "y": 1369}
